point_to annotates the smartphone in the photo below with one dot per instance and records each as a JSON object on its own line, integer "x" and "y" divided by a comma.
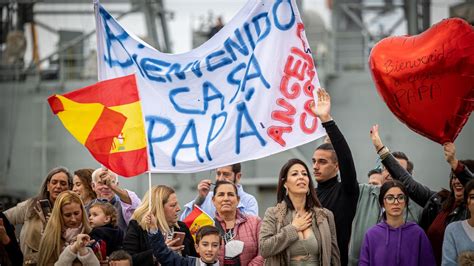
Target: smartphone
{"x": 179, "y": 235}
{"x": 45, "y": 206}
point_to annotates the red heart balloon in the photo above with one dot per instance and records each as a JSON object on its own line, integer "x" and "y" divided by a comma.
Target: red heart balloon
{"x": 427, "y": 80}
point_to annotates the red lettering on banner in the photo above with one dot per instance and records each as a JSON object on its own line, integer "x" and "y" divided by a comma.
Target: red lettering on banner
{"x": 295, "y": 88}
{"x": 276, "y": 133}
{"x": 284, "y": 116}
{"x": 314, "y": 123}
{"x": 298, "y": 73}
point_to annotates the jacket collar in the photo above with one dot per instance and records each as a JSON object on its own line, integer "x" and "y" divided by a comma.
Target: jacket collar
{"x": 240, "y": 218}
{"x": 328, "y": 183}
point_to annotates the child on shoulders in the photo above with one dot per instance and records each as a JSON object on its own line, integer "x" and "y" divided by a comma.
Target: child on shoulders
{"x": 103, "y": 220}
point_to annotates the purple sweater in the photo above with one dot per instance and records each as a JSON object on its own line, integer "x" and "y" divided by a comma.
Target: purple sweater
{"x": 407, "y": 245}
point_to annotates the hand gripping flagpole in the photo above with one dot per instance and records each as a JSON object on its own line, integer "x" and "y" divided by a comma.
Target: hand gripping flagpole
{"x": 149, "y": 191}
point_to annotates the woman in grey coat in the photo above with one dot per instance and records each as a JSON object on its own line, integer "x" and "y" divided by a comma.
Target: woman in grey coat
{"x": 298, "y": 231}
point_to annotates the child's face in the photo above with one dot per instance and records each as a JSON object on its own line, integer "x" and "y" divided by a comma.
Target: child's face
{"x": 208, "y": 248}
{"x": 97, "y": 217}
{"x": 119, "y": 263}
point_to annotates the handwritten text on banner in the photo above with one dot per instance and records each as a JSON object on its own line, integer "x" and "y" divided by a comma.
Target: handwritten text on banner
{"x": 242, "y": 95}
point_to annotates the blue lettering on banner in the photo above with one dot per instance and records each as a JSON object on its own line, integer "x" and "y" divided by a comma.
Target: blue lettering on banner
{"x": 207, "y": 98}
{"x": 249, "y": 94}
{"x": 242, "y": 48}
{"x": 181, "y": 145}
{"x": 153, "y": 68}
{"x": 161, "y": 71}
{"x": 249, "y": 35}
{"x": 134, "y": 57}
{"x": 243, "y": 113}
{"x": 196, "y": 68}
{"x": 231, "y": 79}
{"x": 209, "y": 92}
{"x": 109, "y": 38}
{"x": 152, "y": 120}
{"x": 276, "y": 20}
{"x": 210, "y": 136}
{"x": 177, "y": 107}
{"x": 255, "y": 20}
{"x": 257, "y": 73}
{"x": 176, "y": 68}
{"x": 211, "y": 66}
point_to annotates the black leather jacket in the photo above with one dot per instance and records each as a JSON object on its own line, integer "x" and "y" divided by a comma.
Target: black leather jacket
{"x": 423, "y": 196}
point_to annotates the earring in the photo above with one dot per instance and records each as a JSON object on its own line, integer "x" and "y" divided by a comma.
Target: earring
{"x": 286, "y": 190}
{"x": 307, "y": 193}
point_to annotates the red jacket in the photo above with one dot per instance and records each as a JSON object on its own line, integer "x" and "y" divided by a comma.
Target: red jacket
{"x": 246, "y": 230}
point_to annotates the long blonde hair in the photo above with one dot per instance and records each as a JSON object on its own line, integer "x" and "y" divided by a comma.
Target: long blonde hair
{"x": 160, "y": 195}
{"x": 51, "y": 244}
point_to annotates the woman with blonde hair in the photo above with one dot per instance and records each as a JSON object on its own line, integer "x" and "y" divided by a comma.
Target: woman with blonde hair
{"x": 165, "y": 208}
{"x": 31, "y": 214}
{"x": 65, "y": 237}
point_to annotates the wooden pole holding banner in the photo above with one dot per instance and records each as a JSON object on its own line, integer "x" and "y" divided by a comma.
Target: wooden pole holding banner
{"x": 149, "y": 191}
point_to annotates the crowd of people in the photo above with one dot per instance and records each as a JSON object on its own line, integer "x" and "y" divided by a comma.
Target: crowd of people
{"x": 87, "y": 218}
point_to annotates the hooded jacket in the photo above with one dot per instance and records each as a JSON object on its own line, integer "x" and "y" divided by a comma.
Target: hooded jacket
{"x": 113, "y": 237}
{"x": 406, "y": 245}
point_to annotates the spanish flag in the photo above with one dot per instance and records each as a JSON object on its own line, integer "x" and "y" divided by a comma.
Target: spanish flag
{"x": 197, "y": 219}
{"x": 107, "y": 119}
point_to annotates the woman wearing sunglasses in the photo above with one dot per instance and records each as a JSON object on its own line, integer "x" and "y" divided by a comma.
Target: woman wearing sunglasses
{"x": 395, "y": 241}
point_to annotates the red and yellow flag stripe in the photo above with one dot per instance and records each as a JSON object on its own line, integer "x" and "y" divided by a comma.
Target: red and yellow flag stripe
{"x": 107, "y": 119}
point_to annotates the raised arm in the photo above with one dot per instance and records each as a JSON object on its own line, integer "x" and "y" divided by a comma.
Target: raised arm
{"x": 460, "y": 170}
{"x": 416, "y": 191}
{"x": 343, "y": 152}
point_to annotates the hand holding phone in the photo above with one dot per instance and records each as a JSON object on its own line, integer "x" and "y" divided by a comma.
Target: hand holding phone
{"x": 180, "y": 236}
{"x": 176, "y": 244}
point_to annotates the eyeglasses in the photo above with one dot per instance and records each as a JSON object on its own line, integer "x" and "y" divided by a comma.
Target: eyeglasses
{"x": 390, "y": 199}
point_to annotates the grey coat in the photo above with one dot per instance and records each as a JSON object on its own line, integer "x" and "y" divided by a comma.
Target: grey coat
{"x": 277, "y": 234}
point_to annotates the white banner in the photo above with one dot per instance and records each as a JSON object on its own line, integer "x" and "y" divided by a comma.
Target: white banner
{"x": 242, "y": 95}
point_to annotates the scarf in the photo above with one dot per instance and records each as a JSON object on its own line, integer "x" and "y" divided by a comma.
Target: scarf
{"x": 69, "y": 235}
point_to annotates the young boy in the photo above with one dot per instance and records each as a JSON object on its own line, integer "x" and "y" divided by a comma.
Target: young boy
{"x": 120, "y": 258}
{"x": 103, "y": 220}
{"x": 208, "y": 242}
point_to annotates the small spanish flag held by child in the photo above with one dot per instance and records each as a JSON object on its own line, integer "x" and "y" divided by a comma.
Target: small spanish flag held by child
{"x": 197, "y": 219}
{"x": 107, "y": 119}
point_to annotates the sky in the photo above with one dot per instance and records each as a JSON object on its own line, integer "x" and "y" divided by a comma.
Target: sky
{"x": 186, "y": 14}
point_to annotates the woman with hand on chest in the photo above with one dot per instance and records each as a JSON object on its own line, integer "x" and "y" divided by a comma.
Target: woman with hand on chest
{"x": 298, "y": 231}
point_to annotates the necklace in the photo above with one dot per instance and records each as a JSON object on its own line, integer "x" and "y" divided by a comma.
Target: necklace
{"x": 169, "y": 234}
{"x": 229, "y": 235}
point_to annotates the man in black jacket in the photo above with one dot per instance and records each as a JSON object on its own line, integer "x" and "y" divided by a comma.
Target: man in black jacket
{"x": 339, "y": 196}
